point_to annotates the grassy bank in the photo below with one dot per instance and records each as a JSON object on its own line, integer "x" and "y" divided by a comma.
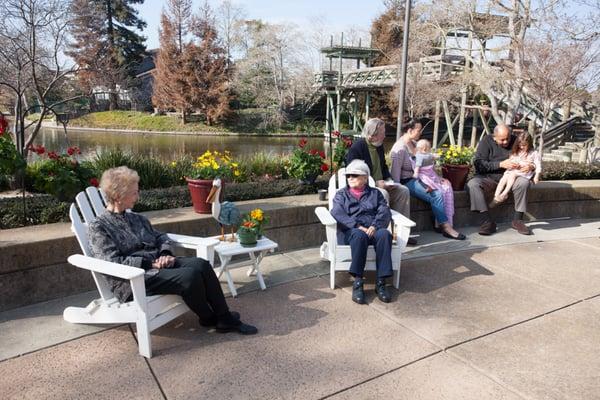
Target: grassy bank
{"x": 134, "y": 120}
{"x": 245, "y": 121}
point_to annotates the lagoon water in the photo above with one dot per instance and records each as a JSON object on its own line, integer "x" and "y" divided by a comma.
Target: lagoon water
{"x": 168, "y": 147}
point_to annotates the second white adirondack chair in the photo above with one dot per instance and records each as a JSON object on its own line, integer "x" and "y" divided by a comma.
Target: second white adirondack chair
{"x": 339, "y": 255}
{"x": 147, "y": 312}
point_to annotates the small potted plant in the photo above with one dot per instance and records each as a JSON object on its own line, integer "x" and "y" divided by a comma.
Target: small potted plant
{"x": 200, "y": 176}
{"x": 248, "y": 233}
{"x": 456, "y": 163}
{"x": 259, "y": 219}
{"x": 306, "y": 165}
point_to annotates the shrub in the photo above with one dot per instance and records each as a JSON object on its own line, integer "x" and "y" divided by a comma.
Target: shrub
{"x": 455, "y": 155}
{"x": 260, "y": 165}
{"x": 306, "y": 164}
{"x": 11, "y": 160}
{"x": 560, "y": 171}
{"x": 153, "y": 173}
{"x": 44, "y": 209}
{"x": 61, "y": 175}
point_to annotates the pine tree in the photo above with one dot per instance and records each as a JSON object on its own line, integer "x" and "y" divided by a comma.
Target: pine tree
{"x": 105, "y": 46}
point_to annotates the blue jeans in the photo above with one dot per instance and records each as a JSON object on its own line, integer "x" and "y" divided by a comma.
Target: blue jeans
{"x": 434, "y": 198}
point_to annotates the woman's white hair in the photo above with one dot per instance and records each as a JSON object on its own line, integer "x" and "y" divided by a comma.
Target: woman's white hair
{"x": 371, "y": 127}
{"x": 116, "y": 182}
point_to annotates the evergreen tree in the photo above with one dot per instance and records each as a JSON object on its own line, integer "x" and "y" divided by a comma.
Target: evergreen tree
{"x": 105, "y": 46}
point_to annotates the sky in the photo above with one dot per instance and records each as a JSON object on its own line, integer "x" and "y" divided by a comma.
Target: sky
{"x": 339, "y": 15}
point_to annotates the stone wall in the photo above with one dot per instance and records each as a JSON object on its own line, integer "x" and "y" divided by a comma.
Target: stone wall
{"x": 33, "y": 265}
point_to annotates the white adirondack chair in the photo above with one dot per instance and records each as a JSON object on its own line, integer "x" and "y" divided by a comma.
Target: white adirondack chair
{"x": 339, "y": 256}
{"x": 147, "y": 312}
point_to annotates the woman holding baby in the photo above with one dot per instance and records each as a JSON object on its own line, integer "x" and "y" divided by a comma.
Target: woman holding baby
{"x": 412, "y": 166}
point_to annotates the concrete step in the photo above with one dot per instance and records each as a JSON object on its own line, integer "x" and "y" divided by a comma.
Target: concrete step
{"x": 555, "y": 157}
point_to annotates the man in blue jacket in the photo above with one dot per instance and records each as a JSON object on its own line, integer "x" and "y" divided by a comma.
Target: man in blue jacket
{"x": 369, "y": 148}
{"x": 363, "y": 217}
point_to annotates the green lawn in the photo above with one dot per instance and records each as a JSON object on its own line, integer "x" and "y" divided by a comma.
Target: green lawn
{"x": 141, "y": 121}
{"x": 245, "y": 121}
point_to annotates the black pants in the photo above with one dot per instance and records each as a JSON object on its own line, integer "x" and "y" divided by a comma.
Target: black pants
{"x": 195, "y": 281}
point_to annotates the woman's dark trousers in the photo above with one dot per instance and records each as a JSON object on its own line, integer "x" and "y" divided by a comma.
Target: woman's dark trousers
{"x": 359, "y": 243}
{"x": 195, "y": 281}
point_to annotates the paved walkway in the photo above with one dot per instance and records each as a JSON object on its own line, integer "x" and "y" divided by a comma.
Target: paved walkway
{"x": 503, "y": 317}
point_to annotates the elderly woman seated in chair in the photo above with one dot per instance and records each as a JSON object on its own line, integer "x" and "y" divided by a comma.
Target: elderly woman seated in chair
{"x": 129, "y": 238}
{"x": 363, "y": 216}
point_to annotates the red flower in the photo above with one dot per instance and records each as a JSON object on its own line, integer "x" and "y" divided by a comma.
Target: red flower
{"x": 73, "y": 150}
{"x": 40, "y": 149}
{"x": 302, "y": 142}
{"x": 94, "y": 182}
{"x": 322, "y": 153}
{"x": 335, "y": 134}
{"x": 313, "y": 152}
{"x": 324, "y": 167}
{"x": 52, "y": 155}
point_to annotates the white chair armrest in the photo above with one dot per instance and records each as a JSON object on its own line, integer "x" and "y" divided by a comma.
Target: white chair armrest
{"x": 401, "y": 220}
{"x": 192, "y": 240}
{"x": 105, "y": 267}
{"x": 325, "y": 216}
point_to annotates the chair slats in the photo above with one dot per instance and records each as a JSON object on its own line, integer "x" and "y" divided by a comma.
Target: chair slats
{"x": 84, "y": 207}
{"x": 96, "y": 202}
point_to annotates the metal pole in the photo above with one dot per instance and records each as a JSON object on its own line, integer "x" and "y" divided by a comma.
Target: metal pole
{"x": 403, "y": 69}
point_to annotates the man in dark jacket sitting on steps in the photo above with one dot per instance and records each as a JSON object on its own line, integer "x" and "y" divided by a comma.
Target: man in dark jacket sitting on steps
{"x": 491, "y": 160}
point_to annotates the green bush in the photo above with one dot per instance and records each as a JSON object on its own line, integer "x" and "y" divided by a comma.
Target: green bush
{"x": 153, "y": 173}
{"x": 61, "y": 175}
{"x": 562, "y": 171}
{"x": 44, "y": 209}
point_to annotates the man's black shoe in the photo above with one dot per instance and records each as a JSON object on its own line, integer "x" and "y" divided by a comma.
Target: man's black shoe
{"x": 212, "y": 322}
{"x": 358, "y": 292}
{"x": 411, "y": 241}
{"x": 382, "y": 291}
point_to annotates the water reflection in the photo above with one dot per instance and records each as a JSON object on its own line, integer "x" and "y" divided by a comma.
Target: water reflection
{"x": 168, "y": 147}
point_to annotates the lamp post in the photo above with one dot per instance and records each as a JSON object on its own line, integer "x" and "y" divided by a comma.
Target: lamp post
{"x": 63, "y": 118}
{"x": 403, "y": 68}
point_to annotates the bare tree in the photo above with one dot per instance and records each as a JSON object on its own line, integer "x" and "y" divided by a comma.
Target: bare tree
{"x": 229, "y": 21}
{"x": 555, "y": 72}
{"x": 32, "y": 39}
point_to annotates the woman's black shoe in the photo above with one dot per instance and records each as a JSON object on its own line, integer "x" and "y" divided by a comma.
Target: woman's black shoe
{"x": 382, "y": 291}
{"x": 232, "y": 325}
{"x": 212, "y": 322}
{"x": 459, "y": 237}
{"x": 358, "y": 293}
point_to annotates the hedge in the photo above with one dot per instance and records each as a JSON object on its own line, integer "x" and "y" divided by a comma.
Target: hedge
{"x": 45, "y": 209}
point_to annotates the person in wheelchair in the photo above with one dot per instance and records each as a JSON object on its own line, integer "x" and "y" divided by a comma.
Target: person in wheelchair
{"x": 363, "y": 216}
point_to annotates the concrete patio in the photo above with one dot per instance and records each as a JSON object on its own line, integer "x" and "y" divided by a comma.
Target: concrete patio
{"x": 501, "y": 317}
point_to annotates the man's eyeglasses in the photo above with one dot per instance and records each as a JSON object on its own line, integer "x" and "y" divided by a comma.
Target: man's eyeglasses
{"x": 352, "y": 175}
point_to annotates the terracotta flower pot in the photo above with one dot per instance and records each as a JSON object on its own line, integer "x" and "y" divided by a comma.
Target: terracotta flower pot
{"x": 456, "y": 174}
{"x": 199, "y": 190}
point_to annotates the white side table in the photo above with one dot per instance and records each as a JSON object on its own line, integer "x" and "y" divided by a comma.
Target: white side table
{"x": 226, "y": 250}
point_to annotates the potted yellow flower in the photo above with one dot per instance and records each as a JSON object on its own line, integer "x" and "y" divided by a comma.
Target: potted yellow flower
{"x": 259, "y": 220}
{"x": 207, "y": 167}
{"x": 456, "y": 164}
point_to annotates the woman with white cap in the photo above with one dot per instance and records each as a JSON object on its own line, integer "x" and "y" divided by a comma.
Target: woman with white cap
{"x": 363, "y": 217}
